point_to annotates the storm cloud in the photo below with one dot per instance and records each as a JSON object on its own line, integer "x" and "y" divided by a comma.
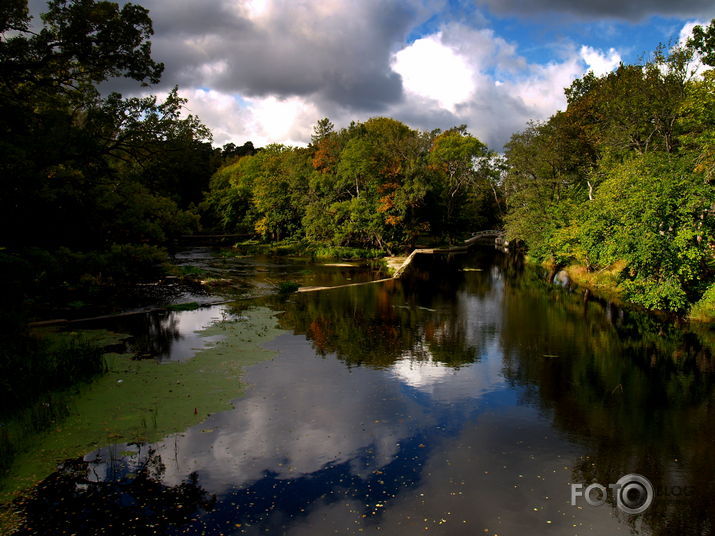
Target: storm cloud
{"x": 336, "y": 52}
{"x": 596, "y": 9}
{"x": 267, "y": 70}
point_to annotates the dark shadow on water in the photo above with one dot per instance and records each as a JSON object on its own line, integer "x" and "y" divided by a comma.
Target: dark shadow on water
{"x": 132, "y": 504}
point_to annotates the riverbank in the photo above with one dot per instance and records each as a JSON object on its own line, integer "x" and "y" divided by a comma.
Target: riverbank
{"x": 302, "y": 248}
{"x": 606, "y": 284}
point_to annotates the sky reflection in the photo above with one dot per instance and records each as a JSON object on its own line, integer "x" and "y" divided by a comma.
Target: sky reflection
{"x": 465, "y": 408}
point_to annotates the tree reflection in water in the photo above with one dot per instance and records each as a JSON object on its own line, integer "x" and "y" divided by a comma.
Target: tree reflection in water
{"x": 73, "y": 501}
{"x": 636, "y": 392}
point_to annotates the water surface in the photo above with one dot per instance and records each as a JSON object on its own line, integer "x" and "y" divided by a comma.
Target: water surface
{"x": 463, "y": 400}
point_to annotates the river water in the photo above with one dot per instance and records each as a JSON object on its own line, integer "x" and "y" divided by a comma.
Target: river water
{"x": 464, "y": 399}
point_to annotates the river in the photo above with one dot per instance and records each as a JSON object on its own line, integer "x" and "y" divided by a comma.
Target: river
{"x": 467, "y": 398}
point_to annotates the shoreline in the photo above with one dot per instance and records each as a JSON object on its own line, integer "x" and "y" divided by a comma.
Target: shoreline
{"x": 603, "y": 285}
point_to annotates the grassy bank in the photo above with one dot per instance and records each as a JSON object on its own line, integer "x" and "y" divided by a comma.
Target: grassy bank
{"x": 607, "y": 284}
{"x": 603, "y": 283}
{"x": 303, "y": 248}
{"x": 704, "y": 309}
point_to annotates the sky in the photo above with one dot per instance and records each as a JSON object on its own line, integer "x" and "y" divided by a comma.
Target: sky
{"x": 268, "y": 70}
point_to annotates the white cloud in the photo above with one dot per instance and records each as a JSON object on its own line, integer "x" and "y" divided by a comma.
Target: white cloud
{"x": 687, "y": 30}
{"x": 542, "y": 89}
{"x": 262, "y": 120}
{"x": 598, "y": 61}
{"x": 478, "y": 79}
{"x": 266, "y": 70}
{"x": 290, "y": 120}
{"x": 237, "y": 447}
{"x": 431, "y": 69}
{"x": 293, "y": 63}
{"x": 456, "y": 75}
{"x": 453, "y": 76}
{"x": 221, "y": 112}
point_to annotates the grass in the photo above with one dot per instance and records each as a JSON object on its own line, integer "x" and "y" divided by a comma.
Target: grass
{"x": 35, "y": 364}
{"x": 189, "y": 306}
{"x": 604, "y": 283}
{"x": 346, "y": 253}
{"x": 704, "y": 309}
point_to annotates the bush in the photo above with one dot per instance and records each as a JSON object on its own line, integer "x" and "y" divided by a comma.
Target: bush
{"x": 287, "y": 287}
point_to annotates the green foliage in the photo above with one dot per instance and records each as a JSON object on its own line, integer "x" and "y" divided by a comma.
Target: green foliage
{"x": 703, "y": 41}
{"x": 621, "y": 178}
{"x": 125, "y": 263}
{"x": 42, "y": 279}
{"x": 323, "y": 128}
{"x": 345, "y": 253}
{"x": 373, "y": 185}
{"x": 697, "y": 123}
{"x": 288, "y": 287}
{"x": 454, "y": 154}
{"x": 87, "y": 176}
{"x": 648, "y": 213}
{"x": 278, "y": 193}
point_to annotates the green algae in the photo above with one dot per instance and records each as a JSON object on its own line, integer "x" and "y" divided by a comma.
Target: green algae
{"x": 145, "y": 400}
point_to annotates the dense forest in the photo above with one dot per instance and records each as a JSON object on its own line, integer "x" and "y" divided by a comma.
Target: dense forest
{"x": 97, "y": 187}
{"x": 377, "y": 184}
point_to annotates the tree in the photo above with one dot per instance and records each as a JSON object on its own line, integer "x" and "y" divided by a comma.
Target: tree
{"x": 697, "y": 123}
{"x": 65, "y": 147}
{"x": 369, "y": 185}
{"x": 81, "y": 43}
{"x": 322, "y": 129}
{"x": 454, "y": 156}
{"x": 703, "y": 41}
{"x": 620, "y": 180}
{"x": 648, "y": 214}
